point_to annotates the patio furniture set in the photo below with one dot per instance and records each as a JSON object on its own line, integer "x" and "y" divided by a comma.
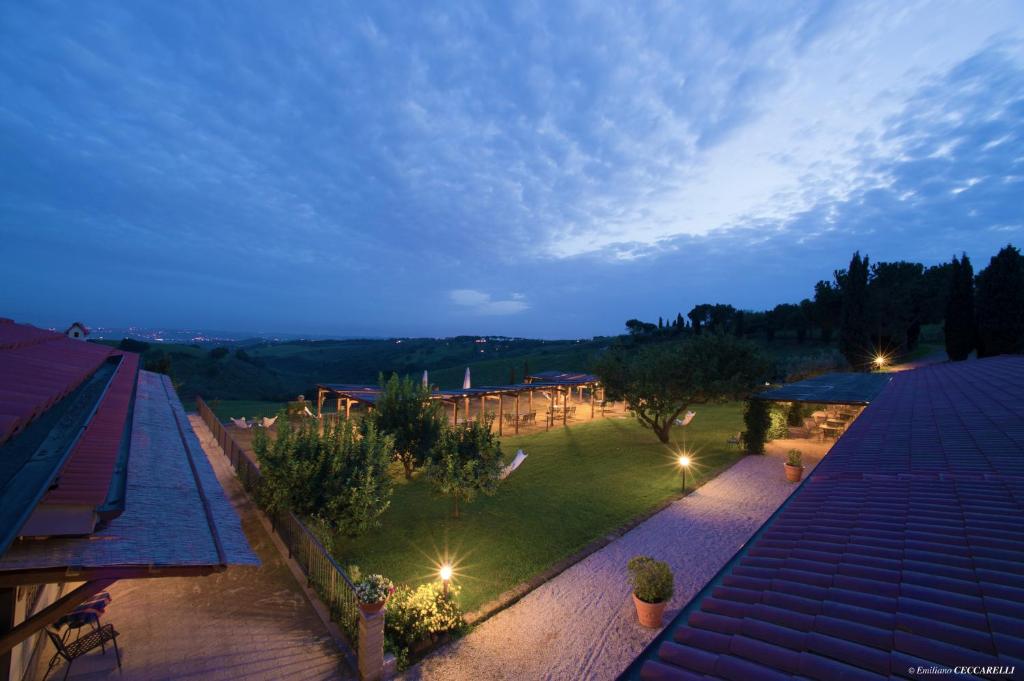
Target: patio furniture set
{"x": 829, "y": 423}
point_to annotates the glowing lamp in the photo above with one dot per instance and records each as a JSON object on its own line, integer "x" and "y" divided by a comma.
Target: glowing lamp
{"x": 684, "y": 463}
{"x": 446, "y": 576}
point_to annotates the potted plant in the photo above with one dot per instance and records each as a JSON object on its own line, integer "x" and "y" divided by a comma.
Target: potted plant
{"x": 373, "y": 592}
{"x": 653, "y": 585}
{"x": 794, "y": 465}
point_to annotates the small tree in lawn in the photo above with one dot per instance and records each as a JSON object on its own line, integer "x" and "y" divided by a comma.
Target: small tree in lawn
{"x": 405, "y": 411}
{"x": 659, "y": 382}
{"x": 465, "y": 462}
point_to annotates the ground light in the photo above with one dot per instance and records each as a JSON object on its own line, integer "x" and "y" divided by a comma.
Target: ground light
{"x": 684, "y": 463}
{"x": 445, "y": 573}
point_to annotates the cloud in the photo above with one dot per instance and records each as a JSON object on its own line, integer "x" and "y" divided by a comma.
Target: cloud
{"x": 483, "y": 303}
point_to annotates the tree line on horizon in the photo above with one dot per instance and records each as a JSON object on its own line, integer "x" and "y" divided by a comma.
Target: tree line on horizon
{"x": 879, "y": 308}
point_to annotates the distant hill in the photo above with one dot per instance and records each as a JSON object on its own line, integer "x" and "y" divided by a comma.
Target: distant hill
{"x": 279, "y": 371}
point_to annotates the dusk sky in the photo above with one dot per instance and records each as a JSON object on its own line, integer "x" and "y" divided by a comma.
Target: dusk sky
{"x": 534, "y": 169}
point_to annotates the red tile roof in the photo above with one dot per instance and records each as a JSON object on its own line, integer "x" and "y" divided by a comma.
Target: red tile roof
{"x": 904, "y": 548}
{"x": 37, "y": 369}
{"x": 85, "y": 478}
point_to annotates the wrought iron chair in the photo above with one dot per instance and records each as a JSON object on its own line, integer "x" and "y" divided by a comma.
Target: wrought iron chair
{"x": 97, "y": 638}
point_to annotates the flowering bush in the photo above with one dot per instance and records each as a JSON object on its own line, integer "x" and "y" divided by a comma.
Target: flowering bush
{"x": 416, "y": 616}
{"x": 374, "y": 589}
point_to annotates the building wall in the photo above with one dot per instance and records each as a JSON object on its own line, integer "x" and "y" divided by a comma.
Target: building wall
{"x": 28, "y": 601}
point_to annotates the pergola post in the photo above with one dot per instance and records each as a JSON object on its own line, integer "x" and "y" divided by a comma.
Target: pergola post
{"x": 501, "y": 412}
{"x": 517, "y": 413}
{"x": 483, "y": 408}
{"x": 319, "y": 402}
{"x": 455, "y": 413}
{"x": 591, "y": 403}
{"x": 466, "y": 400}
{"x": 337, "y": 406}
{"x": 565, "y": 407}
{"x": 348, "y": 408}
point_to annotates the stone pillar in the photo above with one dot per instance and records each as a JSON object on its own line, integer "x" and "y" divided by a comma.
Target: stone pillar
{"x": 371, "y": 646}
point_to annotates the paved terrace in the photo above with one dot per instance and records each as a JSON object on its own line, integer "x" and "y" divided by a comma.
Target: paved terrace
{"x": 246, "y": 623}
{"x": 581, "y": 624}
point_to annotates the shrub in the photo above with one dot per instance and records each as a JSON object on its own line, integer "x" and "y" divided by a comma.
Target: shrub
{"x": 374, "y": 589}
{"x": 779, "y": 428}
{"x": 132, "y": 345}
{"x": 416, "y": 616}
{"x": 757, "y": 419}
{"x": 794, "y": 457}
{"x": 651, "y": 579}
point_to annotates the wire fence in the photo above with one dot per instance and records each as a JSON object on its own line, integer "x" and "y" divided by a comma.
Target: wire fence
{"x": 322, "y": 572}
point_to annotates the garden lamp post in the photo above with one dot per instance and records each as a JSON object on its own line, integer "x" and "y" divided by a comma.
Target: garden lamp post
{"x": 880, "y": 361}
{"x": 684, "y": 463}
{"x": 446, "y": 576}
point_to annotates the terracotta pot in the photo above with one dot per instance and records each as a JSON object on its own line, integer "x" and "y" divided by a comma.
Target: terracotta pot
{"x": 794, "y": 473}
{"x": 649, "y": 614}
{"x": 372, "y": 608}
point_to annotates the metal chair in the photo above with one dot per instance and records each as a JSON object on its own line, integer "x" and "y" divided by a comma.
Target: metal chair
{"x": 97, "y": 638}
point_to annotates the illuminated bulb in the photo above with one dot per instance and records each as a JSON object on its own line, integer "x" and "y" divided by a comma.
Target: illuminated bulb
{"x": 684, "y": 460}
{"x": 446, "y": 572}
{"x": 879, "y": 360}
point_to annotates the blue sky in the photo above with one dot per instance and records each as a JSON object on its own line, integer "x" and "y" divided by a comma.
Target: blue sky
{"x": 534, "y": 169}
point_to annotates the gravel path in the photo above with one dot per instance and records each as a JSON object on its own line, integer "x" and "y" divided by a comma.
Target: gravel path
{"x": 582, "y": 624}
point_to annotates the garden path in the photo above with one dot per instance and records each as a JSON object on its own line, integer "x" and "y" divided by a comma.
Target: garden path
{"x": 581, "y": 624}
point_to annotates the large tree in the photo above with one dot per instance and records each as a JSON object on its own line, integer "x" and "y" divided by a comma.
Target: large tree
{"x": 827, "y": 309}
{"x": 465, "y": 462}
{"x": 999, "y": 304}
{"x": 405, "y": 411}
{"x": 959, "y": 328}
{"x": 854, "y": 331}
{"x": 660, "y": 381}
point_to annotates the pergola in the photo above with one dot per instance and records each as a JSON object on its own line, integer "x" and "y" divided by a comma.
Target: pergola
{"x": 555, "y": 387}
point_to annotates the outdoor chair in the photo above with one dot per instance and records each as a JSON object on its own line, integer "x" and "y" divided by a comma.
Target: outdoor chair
{"x": 268, "y": 422}
{"x": 240, "y": 423}
{"x": 79, "y": 647}
{"x": 516, "y": 462}
{"x": 687, "y": 417}
{"x": 736, "y": 439}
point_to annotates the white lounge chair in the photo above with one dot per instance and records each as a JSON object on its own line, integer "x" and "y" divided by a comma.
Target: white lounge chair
{"x": 307, "y": 412}
{"x": 268, "y": 422}
{"x": 516, "y": 462}
{"x": 240, "y": 423}
{"x": 687, "y": 417}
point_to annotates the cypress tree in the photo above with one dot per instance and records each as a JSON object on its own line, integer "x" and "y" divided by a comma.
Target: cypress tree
{"x": 999, "y": 305}
{"x": 959, "y": 329}
{"x": 854, "y": 335}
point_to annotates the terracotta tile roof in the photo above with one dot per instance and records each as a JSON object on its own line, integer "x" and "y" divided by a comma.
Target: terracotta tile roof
{"x": 904, "y": 548}
{"x": 37, "y": 369}
{"x": 85, "y": 478}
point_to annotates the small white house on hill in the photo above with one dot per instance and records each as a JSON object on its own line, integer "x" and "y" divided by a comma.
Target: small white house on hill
{"x": 77, "y": 331}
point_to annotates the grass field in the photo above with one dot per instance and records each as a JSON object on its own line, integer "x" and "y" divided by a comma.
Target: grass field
{"x": 225, "y": 409}
{"x": 578, "y": 484}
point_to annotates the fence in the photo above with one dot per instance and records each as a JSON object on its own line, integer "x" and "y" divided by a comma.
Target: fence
{"x": 322, "y": 571}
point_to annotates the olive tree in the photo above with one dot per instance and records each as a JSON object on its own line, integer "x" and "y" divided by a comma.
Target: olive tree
{"x": 466, "y": 462}
{"x": 336, "y": 474}
{"x": 405, "y": 411}
{"x": 660, "y": 381}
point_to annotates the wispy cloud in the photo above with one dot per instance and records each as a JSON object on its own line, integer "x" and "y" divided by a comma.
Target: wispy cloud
{"x": 482, "y": 303}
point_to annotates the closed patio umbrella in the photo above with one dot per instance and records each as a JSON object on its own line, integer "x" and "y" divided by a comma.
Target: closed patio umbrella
{"x": 466, "y": 382}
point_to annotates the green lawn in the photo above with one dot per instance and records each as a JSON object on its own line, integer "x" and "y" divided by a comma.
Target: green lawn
{"x": 225, "y": 409}
{"x": 577, "y": 485}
